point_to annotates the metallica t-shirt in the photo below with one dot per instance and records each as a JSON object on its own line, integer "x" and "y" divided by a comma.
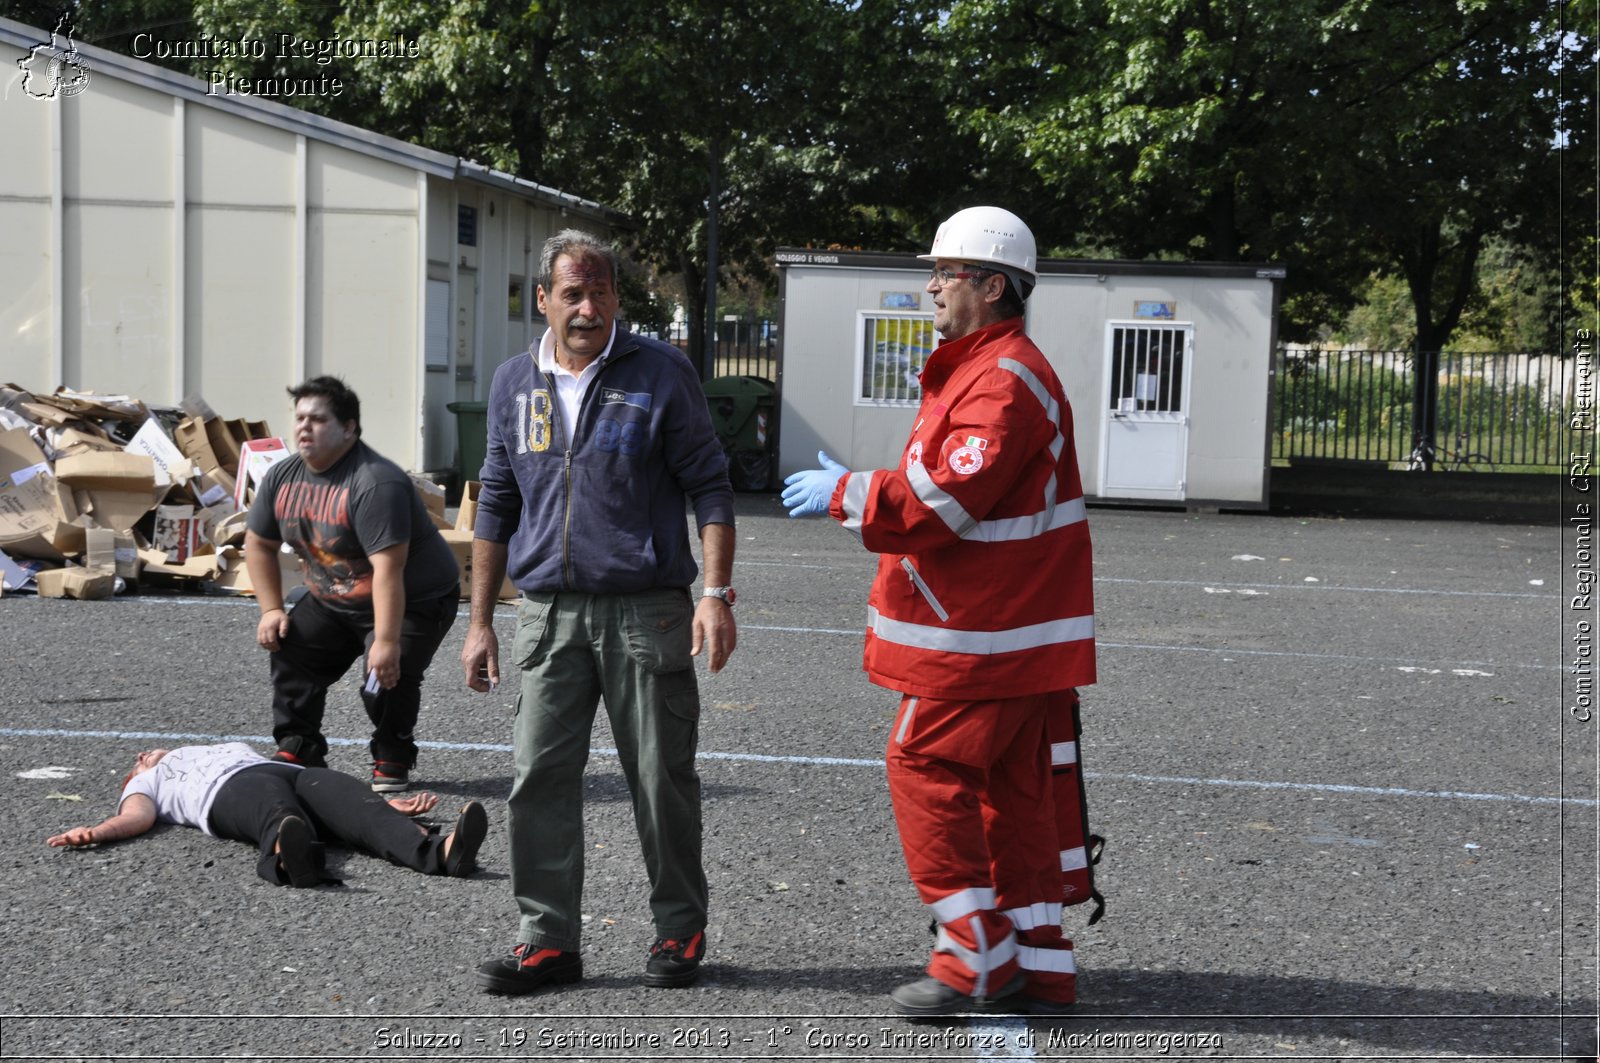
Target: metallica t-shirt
{"x": 338, "y": 518}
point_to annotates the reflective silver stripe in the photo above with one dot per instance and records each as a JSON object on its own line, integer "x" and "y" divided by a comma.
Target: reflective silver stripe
{"x": 857, "y": 486}
{"x": 976, "y": 899}
{"x": 980, "y": 987}
{"x": 1052, "y": 409}
{"x": 1001, "y": 530}
{"x": 905, "y": 721}
{"x": 1074, "y": 859}
{"x": 1050, "y": 517}
{"x": 979, "y": 963}
{"x": 1035, "y": 915}
{"x": 946, "y": 508}
{"x": 1063, "y": 753}
{"x": 923, "y": 589}
{"x": 949, "y": 640}
{"x": 1061, "y": 961}
{"x": 1010, "y": 529}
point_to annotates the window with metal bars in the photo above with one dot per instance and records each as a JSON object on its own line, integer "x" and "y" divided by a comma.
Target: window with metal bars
{"x": 891, "y": 350}
{"x": 1147, "y": 369}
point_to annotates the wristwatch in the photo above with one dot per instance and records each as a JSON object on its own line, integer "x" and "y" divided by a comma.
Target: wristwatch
{"x": 725, "y": 593}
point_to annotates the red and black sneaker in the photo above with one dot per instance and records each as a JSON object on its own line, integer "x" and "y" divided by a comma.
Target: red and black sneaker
{"x": 389, "y": 776}
{"x": 298, "y": 755}
{"x": 530, "y": 967}
{"x": 675, "y": 962}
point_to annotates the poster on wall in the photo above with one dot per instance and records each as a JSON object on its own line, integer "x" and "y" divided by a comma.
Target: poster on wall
{"x": 893, "y": 352}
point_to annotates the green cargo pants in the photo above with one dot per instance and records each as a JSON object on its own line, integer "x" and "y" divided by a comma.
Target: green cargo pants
{"x": 632, "y": 650}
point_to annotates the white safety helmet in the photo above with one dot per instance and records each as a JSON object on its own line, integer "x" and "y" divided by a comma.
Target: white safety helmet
{"x": 993, "y": 236}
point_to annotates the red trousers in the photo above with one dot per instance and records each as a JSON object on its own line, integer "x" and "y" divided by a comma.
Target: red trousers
{"x": 973, "y": 798}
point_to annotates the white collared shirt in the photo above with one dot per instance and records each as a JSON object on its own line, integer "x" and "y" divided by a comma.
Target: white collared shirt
{"x": 570, "y": 387}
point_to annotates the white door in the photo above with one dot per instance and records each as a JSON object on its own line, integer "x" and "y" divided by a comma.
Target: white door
{"x": 1146, "y": 445}
{"x": 439, "y": 424}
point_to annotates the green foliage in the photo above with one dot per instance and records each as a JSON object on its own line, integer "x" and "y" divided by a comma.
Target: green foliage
{"x": 1516, "y": 305}
{"x": 1378, "y": 151}
{"x": 1384, "y": 318}
{"x": 1358, "y": 405}
{"x": 1339, "y": 137}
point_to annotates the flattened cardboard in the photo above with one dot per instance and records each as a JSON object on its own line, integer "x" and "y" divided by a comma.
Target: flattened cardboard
{"x": 195, "y": 443}
{"x": 223, "y": 444}
{"x": 229, "y": 530}
{"x": 156, "y": 565}
{"x": 152, "y": 440}
{"x": 116, "y": 490}
{"x": 37, "y": 515}
{"x": 106, "y": 549}
{"x": 92, "y": 407}
{"x": 235, "y": 575}
{"x": 75, "y": 439}
{"x": 82, "y": 583}
{"x": 212, "y": 487}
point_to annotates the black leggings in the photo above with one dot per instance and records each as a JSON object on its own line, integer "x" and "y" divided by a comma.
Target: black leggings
{"x": 251, "y": 805}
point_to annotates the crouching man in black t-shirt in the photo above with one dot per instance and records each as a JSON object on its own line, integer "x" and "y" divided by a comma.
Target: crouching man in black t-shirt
{"x": 383, "y": 583}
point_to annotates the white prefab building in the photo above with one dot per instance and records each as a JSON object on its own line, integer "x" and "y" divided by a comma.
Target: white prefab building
{"x": 1167, "y": 366}
{"x": 160, "y": 241}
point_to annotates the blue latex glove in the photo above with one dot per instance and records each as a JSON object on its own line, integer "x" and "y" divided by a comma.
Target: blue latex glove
{"x": 807, "y": 494}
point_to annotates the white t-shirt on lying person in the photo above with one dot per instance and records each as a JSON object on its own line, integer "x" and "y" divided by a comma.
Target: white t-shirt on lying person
{"x": 184, "y": 783}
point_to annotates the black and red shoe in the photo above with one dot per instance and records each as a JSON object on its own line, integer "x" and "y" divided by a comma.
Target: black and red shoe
{"x": 530, "y": 967}
{"x": 675, "y": 962}
{"x": 390, "y": 776}
{"x": 295, "y": 751}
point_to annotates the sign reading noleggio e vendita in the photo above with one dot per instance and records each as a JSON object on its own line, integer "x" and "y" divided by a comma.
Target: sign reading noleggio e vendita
{"x": 322, "y": 51}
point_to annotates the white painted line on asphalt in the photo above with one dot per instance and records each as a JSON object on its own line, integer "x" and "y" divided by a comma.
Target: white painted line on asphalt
{"x": 1001, "y": 1038}
{"x": 1226, "y": 651}
{"x": 1338, "y": 788}
{"x": 848, "y": 762}
{"x": 1301, "y": 654}
{"x": 1543, "y": 596}
{"x": 1149, "y": 646}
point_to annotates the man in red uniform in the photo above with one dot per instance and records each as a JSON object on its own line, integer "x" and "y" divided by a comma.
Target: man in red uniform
{"x": 982, "y": 617}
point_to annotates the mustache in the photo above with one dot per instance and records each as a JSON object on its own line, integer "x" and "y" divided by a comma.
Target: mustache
{"x": 585, "y": 322}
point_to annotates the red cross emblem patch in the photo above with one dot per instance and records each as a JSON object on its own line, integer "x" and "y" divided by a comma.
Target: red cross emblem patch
{"x": 966, "y": 460}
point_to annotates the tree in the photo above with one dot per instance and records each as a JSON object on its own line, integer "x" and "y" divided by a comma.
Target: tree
{"x": 780, "y": 121}
{"x": 1336, "y": 136}
{"x": 1340, "y": 137}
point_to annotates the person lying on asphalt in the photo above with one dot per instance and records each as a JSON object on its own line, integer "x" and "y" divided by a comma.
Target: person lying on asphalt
{"x": 285, "y": 810}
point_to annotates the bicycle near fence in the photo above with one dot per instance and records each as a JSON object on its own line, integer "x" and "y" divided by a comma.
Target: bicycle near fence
{"x": 1505, "y": 411}
{"x": 1426, "y": 456}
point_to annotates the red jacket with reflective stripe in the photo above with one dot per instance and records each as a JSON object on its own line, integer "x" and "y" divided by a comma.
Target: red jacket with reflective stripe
{"x": 984, "y": 586}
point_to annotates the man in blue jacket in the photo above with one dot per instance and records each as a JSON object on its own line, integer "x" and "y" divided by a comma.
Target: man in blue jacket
{"x": 596, "y": 438}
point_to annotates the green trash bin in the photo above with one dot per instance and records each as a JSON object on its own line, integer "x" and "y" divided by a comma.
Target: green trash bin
{"x": 472, "y": 437}
{"x": 741, "y": 412}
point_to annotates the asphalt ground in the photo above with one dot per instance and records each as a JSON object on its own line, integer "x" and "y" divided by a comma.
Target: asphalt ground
{"x": 1348, "y": 816}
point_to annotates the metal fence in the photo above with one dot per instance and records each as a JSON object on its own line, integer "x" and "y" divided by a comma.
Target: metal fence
{"x": 744, "y": 348}
{"x": 1508, "y": 409}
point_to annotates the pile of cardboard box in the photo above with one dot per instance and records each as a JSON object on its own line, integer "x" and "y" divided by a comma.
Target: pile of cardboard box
{"x": 100, "y": 493}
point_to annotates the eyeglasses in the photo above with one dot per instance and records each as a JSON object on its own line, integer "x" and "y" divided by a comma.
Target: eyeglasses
{"x": 945, "y": 277}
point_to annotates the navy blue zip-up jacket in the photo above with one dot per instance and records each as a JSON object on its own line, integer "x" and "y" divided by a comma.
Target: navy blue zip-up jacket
{"x": 608, "y": 516}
